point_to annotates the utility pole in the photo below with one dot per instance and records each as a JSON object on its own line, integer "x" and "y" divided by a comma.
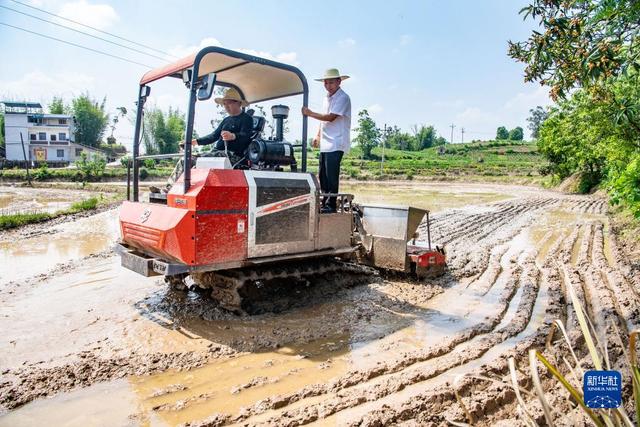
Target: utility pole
{"x": 462, "y": 135}
{"x": 383, "y": 140}
{"x": 452, "y": 126}
{"x": 26, "y": 161}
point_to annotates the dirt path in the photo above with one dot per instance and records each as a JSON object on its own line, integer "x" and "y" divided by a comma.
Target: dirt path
{"x": 386, "y": 352}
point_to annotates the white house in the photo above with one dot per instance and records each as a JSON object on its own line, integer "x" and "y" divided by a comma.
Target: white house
{"x": 46, "y": 137}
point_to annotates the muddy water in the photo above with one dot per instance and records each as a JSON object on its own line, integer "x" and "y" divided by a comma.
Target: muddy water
{"x": 22, "y": 199}
{"x": 435, "y": 197}
{"x": 103, "y": 309}
{"x": 62, "y": 243}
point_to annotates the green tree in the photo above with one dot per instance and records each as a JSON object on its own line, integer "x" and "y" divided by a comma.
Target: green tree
{"x": 582, "y": 43}
{"x": 516, "y": 134}
{"x": 57, "y": 106}
{"x": 90, "y": 120}
{"x": 502, "y": 133}
{"x": 425, "y": 136}
{"x": 574, "y": 138}
{"x": 439, "y": 141}
{"x": 588, "y": 53}
{"x": 368, "y": 134}
{"x": 163, "y": 131}
{"x": 537, "y": 117}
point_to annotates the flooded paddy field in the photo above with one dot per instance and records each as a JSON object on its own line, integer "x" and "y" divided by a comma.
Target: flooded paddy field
{"x": 86, "y": 342}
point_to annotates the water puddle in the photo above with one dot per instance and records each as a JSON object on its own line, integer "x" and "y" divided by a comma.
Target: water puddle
{"x": 434, "y": 197}
{"x": 24, "y": 199}
{"x": 62, "y": 243}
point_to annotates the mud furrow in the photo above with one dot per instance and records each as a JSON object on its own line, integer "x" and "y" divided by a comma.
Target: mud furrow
{"x": 465, "y": 263}
{"x": 489, "y": 275}
{"x": 433, "y": 407}
{"x": 473, "y": 222}
{"x": 626, "y": 302}
{"x": 412, "y": 372}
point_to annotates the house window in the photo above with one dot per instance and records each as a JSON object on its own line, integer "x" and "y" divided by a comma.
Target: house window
{"x": 78, "y": 151}
{"x": 42, "y": 136}
{"x": 32, "y": 137}
{"x": 53, "y": 136}
{"x": 62, "y": 121}
{"x": 60, "y": 153}
{"x": 62, "y": 136}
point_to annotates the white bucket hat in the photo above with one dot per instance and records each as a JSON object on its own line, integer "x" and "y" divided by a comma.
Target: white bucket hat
{"x": 233, "y": 95}
{"x": 332, "y": 73}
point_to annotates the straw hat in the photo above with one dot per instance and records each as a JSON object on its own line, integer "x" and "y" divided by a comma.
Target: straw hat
{"x": 332, "y": 73}
{"x": 232, "y": 94}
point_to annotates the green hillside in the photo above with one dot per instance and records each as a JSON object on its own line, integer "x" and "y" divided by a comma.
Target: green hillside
{"x": 489, "y": 159}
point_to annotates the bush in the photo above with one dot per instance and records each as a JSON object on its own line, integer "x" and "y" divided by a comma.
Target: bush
{"x": 91, "y": 170}
{"x": 42, "y": 173}
{"x": 624, "y": 186}
{"x": 587, "y": 182}
{"x": 143, "y": 173}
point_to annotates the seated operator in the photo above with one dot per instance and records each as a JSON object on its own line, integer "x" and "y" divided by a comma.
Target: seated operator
{"x": 233, "y": 135}
{"x": 234, "y": 130}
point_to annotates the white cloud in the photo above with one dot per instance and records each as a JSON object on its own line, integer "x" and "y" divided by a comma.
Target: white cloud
{"x": 405, "y": 39}
{"x": 482, "y": 123}
{"x": 182, "y": 51}
{"x": 523, "y": 101}
{"x": 40, "y": 87}
{"x": 100, "y": 16}
{"x": 375, "y": 108}
{"x": 348, "y": 42}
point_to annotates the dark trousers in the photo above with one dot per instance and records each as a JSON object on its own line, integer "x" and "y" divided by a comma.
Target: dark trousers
{"x": 330, "y": 176}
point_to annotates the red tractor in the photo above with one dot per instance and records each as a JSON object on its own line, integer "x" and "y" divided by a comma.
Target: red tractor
{"x": 236, "y": 229}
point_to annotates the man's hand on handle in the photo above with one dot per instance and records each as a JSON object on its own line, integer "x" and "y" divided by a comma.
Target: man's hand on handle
{"x": 228, "y": 136}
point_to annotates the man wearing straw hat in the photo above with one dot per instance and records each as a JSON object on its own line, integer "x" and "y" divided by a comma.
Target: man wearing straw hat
{"x": 234, "y": 130}
{"x": 333, "y": 135}
{"x": 233, "y": 134}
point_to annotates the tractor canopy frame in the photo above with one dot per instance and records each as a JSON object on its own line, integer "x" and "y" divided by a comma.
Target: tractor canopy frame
{"x": 256, "y": 79}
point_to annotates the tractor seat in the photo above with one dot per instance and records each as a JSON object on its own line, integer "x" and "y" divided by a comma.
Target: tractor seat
{"x": 258, "y": 124}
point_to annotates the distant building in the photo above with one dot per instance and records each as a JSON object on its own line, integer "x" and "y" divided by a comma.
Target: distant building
{"x": 47, "y": 137}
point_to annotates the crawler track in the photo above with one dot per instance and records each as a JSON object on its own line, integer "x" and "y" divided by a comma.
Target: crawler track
{"x": 274, "y": 288}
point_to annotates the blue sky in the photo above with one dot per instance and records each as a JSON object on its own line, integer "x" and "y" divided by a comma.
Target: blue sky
{"x": 418, "y": 62}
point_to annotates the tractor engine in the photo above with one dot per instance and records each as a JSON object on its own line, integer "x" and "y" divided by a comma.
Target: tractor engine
{"x": 272, "y": 154}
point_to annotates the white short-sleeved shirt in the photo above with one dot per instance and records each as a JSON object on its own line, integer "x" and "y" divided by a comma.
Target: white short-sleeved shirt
{"x": 336, "y": 134}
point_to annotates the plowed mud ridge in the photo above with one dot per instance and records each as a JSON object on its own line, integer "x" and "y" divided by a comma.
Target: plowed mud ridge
{"x": 387, "y": 352}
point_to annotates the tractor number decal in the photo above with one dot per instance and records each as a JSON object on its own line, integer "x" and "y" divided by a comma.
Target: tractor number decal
{"x": 240, "y": 226}
{"x": 283, "y": 204}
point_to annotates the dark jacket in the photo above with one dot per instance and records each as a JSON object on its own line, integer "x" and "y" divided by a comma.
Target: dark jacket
{"x": 240, "y": 125}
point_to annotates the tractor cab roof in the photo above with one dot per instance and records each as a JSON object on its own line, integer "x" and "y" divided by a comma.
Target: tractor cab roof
{"x": 257, "y": 79}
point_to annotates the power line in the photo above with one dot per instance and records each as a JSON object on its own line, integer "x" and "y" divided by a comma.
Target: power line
{"x": 86, "y": 34}
{"x": 76, "y": 45}
{"x": 93, "y": 28}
